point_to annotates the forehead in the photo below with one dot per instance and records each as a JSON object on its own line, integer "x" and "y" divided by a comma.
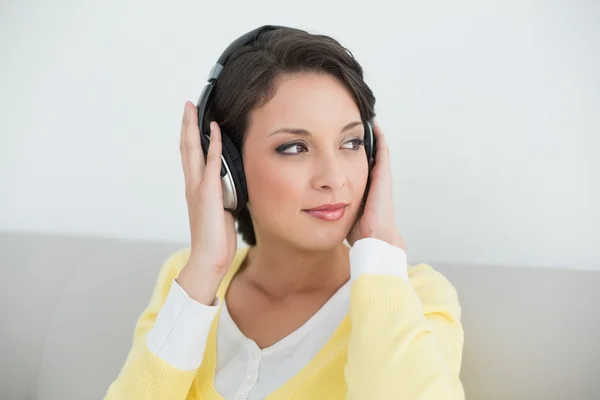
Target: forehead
{"x": 316, "y": 102}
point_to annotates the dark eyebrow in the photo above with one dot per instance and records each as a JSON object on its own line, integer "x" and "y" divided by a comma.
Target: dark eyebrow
{"x": 299, "y": 131}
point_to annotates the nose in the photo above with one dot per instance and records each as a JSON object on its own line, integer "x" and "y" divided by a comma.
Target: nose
{"x": 329, "y": 172}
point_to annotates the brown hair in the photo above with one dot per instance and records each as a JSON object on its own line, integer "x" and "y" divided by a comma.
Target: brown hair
{"x": 248, "y": 81}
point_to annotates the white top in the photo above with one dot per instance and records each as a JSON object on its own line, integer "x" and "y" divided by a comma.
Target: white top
{"x": 243, "y": 370}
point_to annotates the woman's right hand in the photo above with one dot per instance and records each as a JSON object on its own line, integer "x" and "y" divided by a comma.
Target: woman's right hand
{"x": 212, "y": 228}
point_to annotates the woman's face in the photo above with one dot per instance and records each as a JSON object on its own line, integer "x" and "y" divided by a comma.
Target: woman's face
{"x": 324, "y": 162}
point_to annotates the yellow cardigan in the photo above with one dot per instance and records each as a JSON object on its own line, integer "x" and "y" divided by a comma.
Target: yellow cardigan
{"x": 399, "y": 340}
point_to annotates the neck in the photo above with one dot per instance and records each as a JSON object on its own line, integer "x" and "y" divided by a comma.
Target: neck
{"x": 281, "y": 270}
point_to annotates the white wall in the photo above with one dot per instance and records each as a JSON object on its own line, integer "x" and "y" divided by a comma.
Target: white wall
{"x": 491, "y": 110}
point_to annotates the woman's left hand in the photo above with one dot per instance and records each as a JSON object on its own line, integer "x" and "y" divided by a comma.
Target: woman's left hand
{"x": 377, "y": 221}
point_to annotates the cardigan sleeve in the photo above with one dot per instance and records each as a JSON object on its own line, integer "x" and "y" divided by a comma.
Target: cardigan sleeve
{"x": 407, "y": 338}
{"x": 168, "y": 341}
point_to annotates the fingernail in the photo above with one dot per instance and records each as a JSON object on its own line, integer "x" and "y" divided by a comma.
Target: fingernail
{"x": 185, "y": 109}
{"x": 212, "y": 127}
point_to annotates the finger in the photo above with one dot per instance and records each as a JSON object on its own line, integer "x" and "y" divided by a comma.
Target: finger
{"x": 383, "y": 167}
{"x": 213, "y": 157}
{"x": 192, "y": 157}
{"x": 382, "y": 149}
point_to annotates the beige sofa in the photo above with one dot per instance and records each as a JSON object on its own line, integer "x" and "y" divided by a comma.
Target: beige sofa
{"x": 69, "y": 304}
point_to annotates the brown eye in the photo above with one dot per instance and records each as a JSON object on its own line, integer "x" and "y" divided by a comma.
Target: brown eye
{"x": 356, "y": 144}
{"x": 292, "y": 149}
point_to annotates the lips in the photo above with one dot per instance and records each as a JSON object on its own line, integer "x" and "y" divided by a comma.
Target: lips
{"x": 328, "y": 212}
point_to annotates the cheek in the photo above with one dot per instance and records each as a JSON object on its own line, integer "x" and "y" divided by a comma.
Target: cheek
{"x": 272, "y": 186}
{"x": 358, "y": 173}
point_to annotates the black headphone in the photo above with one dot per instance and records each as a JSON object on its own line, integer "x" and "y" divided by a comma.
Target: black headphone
{"x": 233, "y": 178}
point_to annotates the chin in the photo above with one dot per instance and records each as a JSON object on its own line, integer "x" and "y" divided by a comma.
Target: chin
{"x": 311, "y": 234}
{"x": 318, "y": 238}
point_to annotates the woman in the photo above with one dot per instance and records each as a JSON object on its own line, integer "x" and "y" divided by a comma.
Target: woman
{"x": 296, "y": 314}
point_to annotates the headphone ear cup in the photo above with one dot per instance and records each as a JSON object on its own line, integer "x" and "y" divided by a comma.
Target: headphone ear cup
{"x": 236, "y": 169}
{"x": 369, "y": 143}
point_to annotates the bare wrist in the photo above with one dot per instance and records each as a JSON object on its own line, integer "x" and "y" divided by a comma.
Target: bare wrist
{"x": 199, "y": 285}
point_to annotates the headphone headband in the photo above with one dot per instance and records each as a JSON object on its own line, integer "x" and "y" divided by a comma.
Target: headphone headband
{"x": 242, "y": 41}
